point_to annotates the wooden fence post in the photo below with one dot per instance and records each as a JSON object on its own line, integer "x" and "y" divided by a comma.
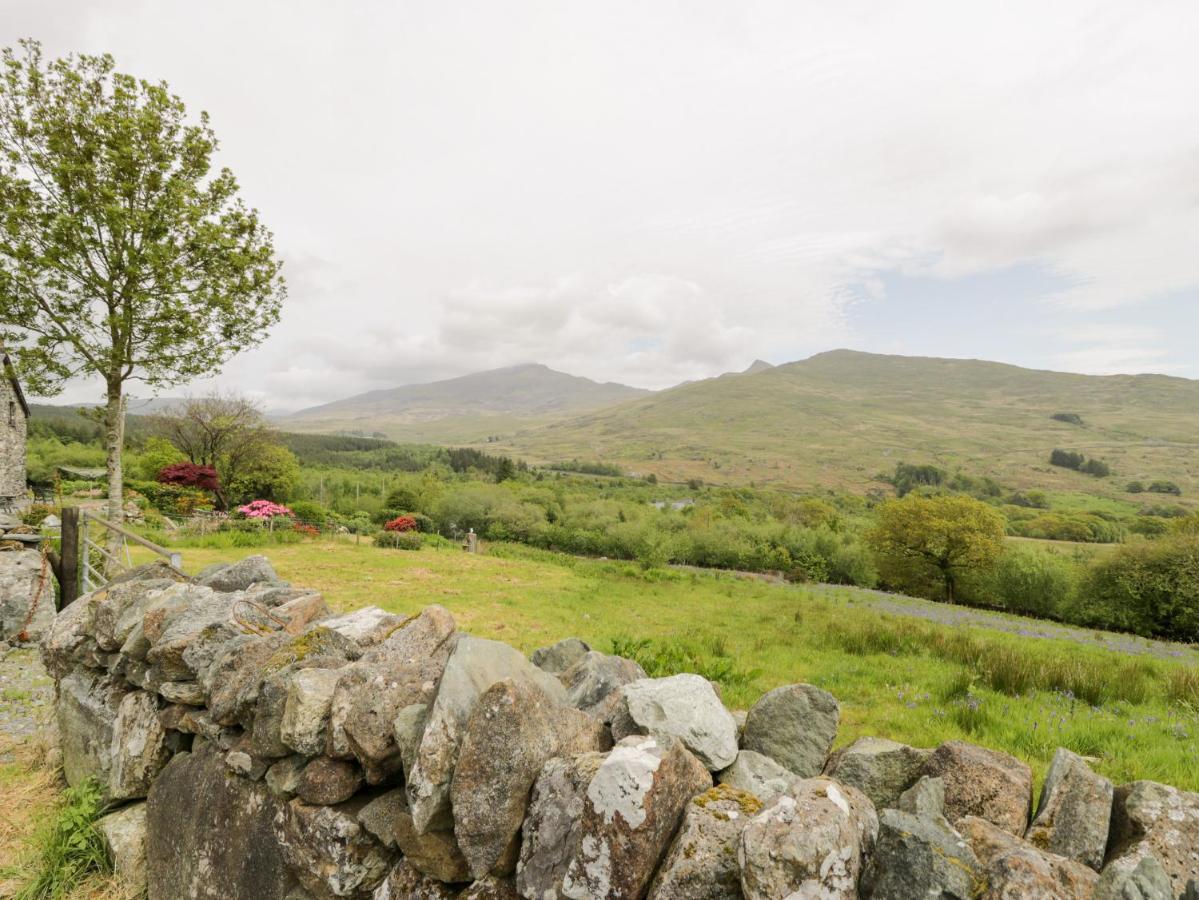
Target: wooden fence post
{"x": 68, "y": 578}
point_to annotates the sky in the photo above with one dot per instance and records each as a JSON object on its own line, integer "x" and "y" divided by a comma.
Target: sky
{"x": 652, "y": 191}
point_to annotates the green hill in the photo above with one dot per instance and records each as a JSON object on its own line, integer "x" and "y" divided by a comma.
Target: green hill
{"x": 465, "y": 409}
{"x": 839, "y": 418}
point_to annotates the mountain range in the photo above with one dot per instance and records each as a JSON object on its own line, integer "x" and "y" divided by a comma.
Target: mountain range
{"x": 835, "y": 420}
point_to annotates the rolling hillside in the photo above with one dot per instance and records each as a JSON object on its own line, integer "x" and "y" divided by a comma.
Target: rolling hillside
{"x": 465, "y": 409}
{"x": 839, "y": 418}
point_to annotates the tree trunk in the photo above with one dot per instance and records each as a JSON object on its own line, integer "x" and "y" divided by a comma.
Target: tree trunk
{"x": 949, "y": 592}
{"x": 114, "y": 443}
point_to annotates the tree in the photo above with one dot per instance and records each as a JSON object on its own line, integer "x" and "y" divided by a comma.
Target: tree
{"x": 123, "y": 256}
{"x": 919, "y": 541}
{"x": 230, "y": 434}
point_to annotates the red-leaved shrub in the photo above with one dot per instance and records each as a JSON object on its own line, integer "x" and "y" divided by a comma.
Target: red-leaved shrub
{"x": 401, "y": 523}
{"x": 188, "y": 474}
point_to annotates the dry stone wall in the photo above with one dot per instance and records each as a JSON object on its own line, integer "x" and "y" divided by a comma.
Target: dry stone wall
{"x": 254, "y": 745}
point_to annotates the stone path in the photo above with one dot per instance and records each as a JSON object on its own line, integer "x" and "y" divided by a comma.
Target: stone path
{"x": 26, "y": 692}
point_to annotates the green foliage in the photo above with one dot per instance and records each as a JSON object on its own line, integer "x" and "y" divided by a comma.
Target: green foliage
{"x": 309, "y": 512}
{"x": 927, "y": 544}
{"x": 70, "y": 849}
{"x": 1096, "y": 467}
{"x": 398, "y": 540}
{"x": 908, "y": 477}
{"x": 271, "y": 473}
{"x": 155, "y": 455}
{"x": 662, "y": 658}
{"x": 1067, "y": 459}
{"x": 590, "y": 468}
{"x": 1034, "y": 582}
{"x": 1081, "y": 527}
{"x": 1135, "y": 487}
{"x": 172, "y": 499}
{"x": 1165, "y": 487}
{"x": 1146, "y": 587}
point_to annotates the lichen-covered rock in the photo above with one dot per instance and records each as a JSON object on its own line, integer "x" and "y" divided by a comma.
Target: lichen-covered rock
{"x": 330, "y": 853}
{"x": 490, "y": 888}
{"x": 812, "y": 844}
{"x": 86, "y": 709}
{"x": 593, "y": 683}
{"x": 283, "y": 777}
{"x": 379, "y": 813}
{"x": 224, "y": 846}
{"x": 683, "y": 706}
{"x": 241, "y": 575}
{"x": 366, "y": 626}
{"x": 304, "y": 723}
{"x": 559, "y": 657}
{"x": 435, "y": 853}
{"x": 1151, "y": 819}
{"x": 404, "y": 882}
{"x": 1142, "y": 879}
{"x": 552, "y": 828}
{"x": 139, "y": 747}
{"x": 794, "y": 725}
{"x": 701, "y": 863}
{"x": 880, "y": 768}
{"x": 236, "y": 676}
{"x": 68, "y": 639}
{"x": 983, "y": 783}
{"x": 925, "y": 799}
{"x": 121, "y": 608}
{"x": 124, "y": 833}
{"x": 408, "y": 729}
{"x": 758, "y": 775}
{"x": 1015, "y": 868}
{"x": 1074, "y": 813}
{"x": 26, "y": 596}
{"x": 402, "y": 670}
{"x": 327, "y": 782}
{"x": 920, "y": 857}
{"x": 514, "y": 729}
{"x": 633, "y": 805}
{"x": 473, "y": 666}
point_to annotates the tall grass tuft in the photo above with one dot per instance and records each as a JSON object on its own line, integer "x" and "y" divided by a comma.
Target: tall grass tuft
{"x": 70, "y": 849}
{"x": 708, "y": 657}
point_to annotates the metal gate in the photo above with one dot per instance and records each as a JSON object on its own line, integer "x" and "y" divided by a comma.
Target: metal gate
{"x": 95, "y": 532}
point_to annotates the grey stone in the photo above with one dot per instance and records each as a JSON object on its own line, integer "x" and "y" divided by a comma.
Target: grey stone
{"x": 121, "y": 607}
{"x": 246, "y": 765}
{"x": 404, "y": 882}
{"x": 512, "y": 731}
{"x": 186, "y": 692}
{"x": 241, "y": 575}
{"x": 409, "y": 728}
{"x": 283, "y": 777}
{"x": 124, "y": 833}
{"x": 379, "y": 814}
{"x": 559, "y": 657}
{"x": 811, "y": 844}
{"x": 925, "y": 799}
{"x": 686, "y": 707}
{"x": 1012, "y": 867}
{"x": 701, "y": 863}
{"x": 139, "y": 749}
{"x": 327, "y": 782}
{"x": 490, "y": 888}
{"x": 86, "y": 709}
{"x": 330, "y": 853}
{"x": 1143, "y": 879}
{"x": 69, "y": 636}
{"x": 304, "y": 726}
{"x": 367, "y": 626}
{"x": 880, "y": 768}
{"x": 920, "y": 857}
{"x": 633, "y": 805}
{"x": 224, "y": 846}
{"x": 1075, "y": 811}
{"x": 1151, "y": 819}
{"x": 593, "y": 683}
{"x": 758, "y": 775}
{"x": 794, "y": 725}
{"x": 984, "y": 783}
{"x": 473, "y": 666}
{"x": 434, "y": 853}
{"x": 552, "y": 828}
{"x": 26, "y": 595}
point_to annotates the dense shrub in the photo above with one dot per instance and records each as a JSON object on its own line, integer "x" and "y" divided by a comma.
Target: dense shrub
{"x": 1134, "y": 487}
{"x": 1165, "y": 487}
{"x": 1147, "y": 587}
{"x": 309, "y": 511}
{"x": 908, "y": 477}
{"x": 187, "y": 474}
{"x": 1029, "y": 499}
{"x": 1068, "y": 417}
{"x": 1066, "y": 459}
{"x": 1034, "y": 582}
{"x": 171, "y": 499}
{"x": 264, "y": 509}
{"x": 1061, "y": 526}
{"x": 398, "y": 540}
{"x": 401, "y": 523}
{"x": 1096, "y": 467}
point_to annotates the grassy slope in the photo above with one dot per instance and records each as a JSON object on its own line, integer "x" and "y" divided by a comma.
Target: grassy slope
{"x": 837, "y": 419}
{"x": 788, "y": 634}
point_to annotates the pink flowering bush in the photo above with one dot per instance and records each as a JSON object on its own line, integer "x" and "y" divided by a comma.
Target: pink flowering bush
{"x": 264, "y": 509}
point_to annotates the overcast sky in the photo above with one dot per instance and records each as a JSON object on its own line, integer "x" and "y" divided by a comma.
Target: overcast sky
{"x": 653, "y": 191}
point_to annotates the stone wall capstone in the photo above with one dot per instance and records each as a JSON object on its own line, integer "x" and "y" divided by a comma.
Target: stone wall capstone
{"x": 269, "y": 749}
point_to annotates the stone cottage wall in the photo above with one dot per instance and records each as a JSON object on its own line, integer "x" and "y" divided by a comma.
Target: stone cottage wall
{"x": 12, "y": 441}
{"x": 254, "y": 745}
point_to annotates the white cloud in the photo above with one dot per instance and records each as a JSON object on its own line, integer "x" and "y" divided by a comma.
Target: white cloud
{"x": 647, "y": 192}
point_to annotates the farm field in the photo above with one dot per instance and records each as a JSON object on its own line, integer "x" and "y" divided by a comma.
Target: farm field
{"x": 1027, "y": 688}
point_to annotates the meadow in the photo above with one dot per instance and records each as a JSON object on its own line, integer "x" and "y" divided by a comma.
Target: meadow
{"x": 900, "y": 677}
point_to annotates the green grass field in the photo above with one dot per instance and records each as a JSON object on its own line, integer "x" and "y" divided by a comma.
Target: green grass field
{"x": 914, "y": 681}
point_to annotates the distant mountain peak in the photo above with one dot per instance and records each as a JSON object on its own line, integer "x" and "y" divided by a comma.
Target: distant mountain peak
{"x": 758, "y": 365}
